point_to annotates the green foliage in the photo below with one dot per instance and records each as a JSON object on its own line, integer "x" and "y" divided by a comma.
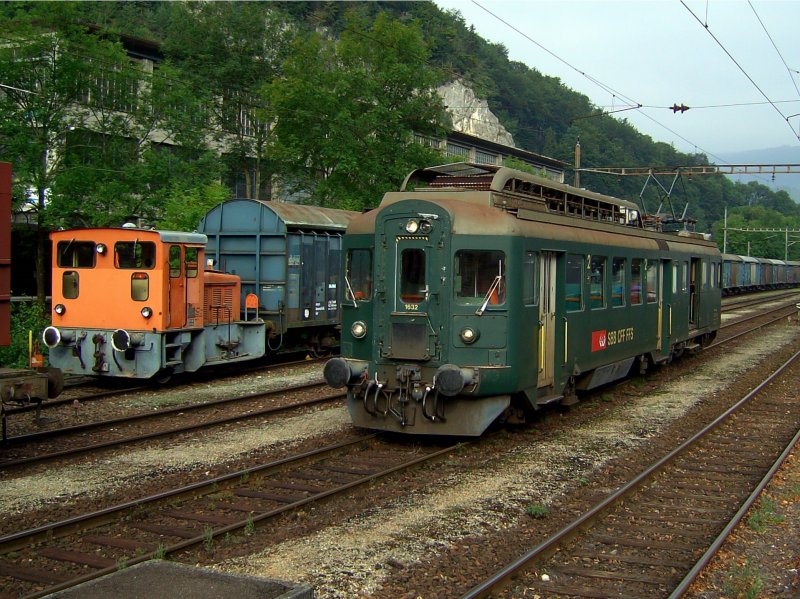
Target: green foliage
{"x": 764, "y": 515}
{"x": 346, "y": 112}
{"x": 25, "y": 317}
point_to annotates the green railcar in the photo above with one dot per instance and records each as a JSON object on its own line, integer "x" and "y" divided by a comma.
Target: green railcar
{"x": 479, "y": 292}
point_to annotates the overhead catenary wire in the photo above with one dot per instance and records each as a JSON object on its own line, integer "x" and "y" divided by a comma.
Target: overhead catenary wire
{"x": 740, "y": 67}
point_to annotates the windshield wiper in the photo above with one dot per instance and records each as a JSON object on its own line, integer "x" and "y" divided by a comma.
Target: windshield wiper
{"x": 495, "y": 284}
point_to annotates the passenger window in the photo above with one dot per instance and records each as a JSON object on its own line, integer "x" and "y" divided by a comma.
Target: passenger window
{"x": 652, "y": 281}
{"x": 69, "y": 284}
{"x": 705, "y": 274}
{"x": 135, "y": 254}
{"x": 412, "y": 276}
{"x": 618, "y": 282}
{"x": 636, "y": 281}
{"x": 574, "y": 279}
{"x": 191, "y": 262}
{"x": 358, "y": 274}
{"x": 140, "y": 286}
{"x": 477, "y": 272}
{"x": 530, "y": 280}
{"x": 174, "y": 261}
{"x": 76, "y": 254}
{"x": 597, "y": 281}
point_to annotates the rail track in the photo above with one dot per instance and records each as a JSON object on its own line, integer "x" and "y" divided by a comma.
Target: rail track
{"x": 652, "y": 536}
{"x": 39, "y": 447}
{"x": 40, "y": 561}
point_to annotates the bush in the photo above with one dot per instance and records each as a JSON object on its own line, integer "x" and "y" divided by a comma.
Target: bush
{"x": 25, "y": 317}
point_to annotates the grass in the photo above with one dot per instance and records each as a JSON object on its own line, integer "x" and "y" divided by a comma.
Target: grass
{"x": 764, "y": 515}
{"x": 536, "y": 510}
{"x": 743, "y": 582}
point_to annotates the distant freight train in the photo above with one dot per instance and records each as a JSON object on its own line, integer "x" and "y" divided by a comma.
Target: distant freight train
{"x": 479, "y": 293}
{"x": 138, "y": 303}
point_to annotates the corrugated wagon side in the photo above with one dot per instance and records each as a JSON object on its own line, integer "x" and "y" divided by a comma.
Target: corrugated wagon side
{"x": 289, "y": 256}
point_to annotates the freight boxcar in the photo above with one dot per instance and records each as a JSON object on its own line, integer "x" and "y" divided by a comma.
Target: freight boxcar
{"x": 289, "y": 257}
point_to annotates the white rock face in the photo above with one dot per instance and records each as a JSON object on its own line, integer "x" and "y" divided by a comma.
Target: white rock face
{"x": 471, "y": 115}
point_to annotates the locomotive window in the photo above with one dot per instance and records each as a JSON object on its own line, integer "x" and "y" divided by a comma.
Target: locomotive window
{"x": 475, "y": 274}
{"x": 617, "y": 282}
{"x": 135, "y": 254}
{"x": 140, "y": 286}
{"x": 76, "y": 254}
{"x": 174, "y": 261}
{"x": 69, "y": 284}
{"x": 597, "y": 282}
{"x": 191, "y": 262}
{"x": 358, "y": 274}
{"x": 529, "y": 280}
{"x": 574, "y": 291}
{"x": 412, "y": 276}
{"x": 636, "y": 281}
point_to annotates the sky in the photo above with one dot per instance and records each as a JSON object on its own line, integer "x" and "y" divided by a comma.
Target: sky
{"x": 658, "y": 53}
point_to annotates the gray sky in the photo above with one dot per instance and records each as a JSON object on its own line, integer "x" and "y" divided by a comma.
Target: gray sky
{"x": 656, "y": 53}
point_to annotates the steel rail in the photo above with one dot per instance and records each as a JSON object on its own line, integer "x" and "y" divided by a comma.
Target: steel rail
{"x": 171, "y": 431}
{"x": 215, "y": 484}
{"x": 549, "y": 545}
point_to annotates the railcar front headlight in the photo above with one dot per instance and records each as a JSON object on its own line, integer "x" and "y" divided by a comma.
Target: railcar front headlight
{"x": 425, "y": 226}
{"x": 412, "y": 226}
{"x": 101, "y": 248}
{"x": 359, "y": 329}
{"x": 60, "y": 309}
{"x": 147, "y": 312}
{"x": 469, "y": 335}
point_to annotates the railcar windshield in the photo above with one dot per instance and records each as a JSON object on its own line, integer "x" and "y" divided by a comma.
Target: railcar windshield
{"x": 476, "y": 273}
{"x": 358, "y": 274}
{"x": 135, "y": 254}
{"x": 412, "y": 276}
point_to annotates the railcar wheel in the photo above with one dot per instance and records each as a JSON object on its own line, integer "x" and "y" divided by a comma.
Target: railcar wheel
{"x": 163, "y": 376}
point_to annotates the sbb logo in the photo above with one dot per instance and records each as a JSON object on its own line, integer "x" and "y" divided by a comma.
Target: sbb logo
{"x": 599, "y": 340}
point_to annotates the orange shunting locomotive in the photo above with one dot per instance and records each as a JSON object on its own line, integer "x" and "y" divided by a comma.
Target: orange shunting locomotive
{"x": 139, "y": 303}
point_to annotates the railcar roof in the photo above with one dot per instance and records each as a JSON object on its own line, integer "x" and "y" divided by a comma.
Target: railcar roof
{"x": 490, "y": 177}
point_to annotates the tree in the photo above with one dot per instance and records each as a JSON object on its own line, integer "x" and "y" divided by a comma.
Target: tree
{"x": 226, "y": 52}
{"x": 347, "y": 111}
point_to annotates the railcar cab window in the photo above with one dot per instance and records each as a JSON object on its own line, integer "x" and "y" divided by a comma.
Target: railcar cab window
{"x": 597, "y": 282}
{"x": 652, "y": 281}
{"x": 530, "y": 283}
{"x": 574, "y": 280}
{"x": 358, "y": 275}
{"x": 412, "y": 276}
{"x": 617, "y": 282}
{"x": 480, "y": 275}
{"x": 636, "y": 281}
